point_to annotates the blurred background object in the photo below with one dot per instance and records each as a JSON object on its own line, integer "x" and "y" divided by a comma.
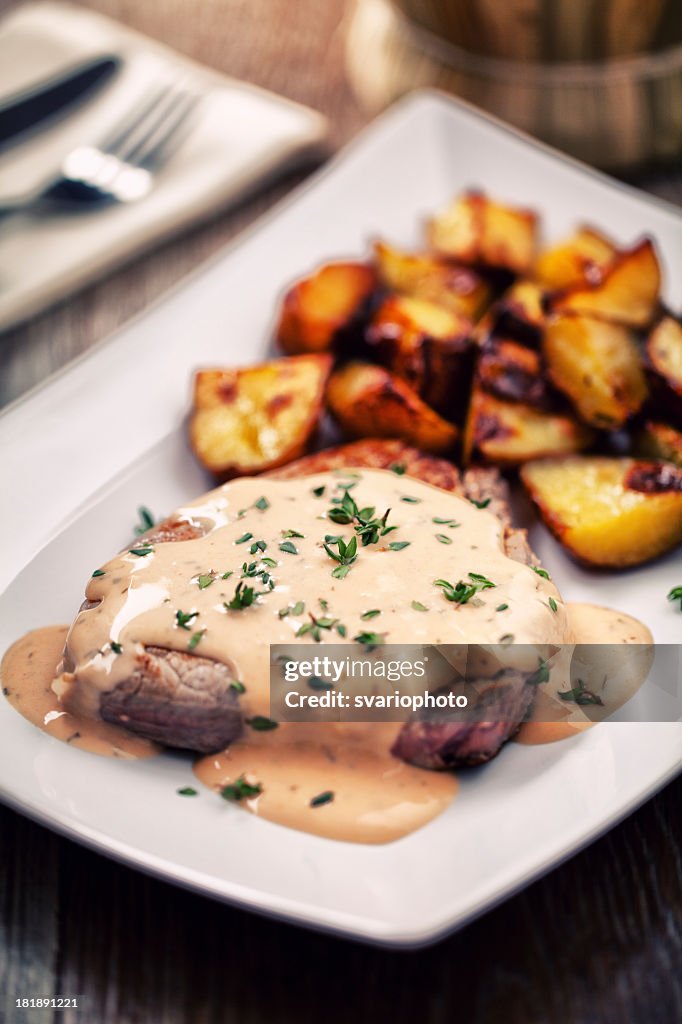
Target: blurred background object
{"x": 600, "y": 79}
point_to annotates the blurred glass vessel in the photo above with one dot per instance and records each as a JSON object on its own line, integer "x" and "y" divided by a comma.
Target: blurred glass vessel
{"x": 600, "y": 79}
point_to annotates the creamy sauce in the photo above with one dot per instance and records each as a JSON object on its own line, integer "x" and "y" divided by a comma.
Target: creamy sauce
{"x": 158, "y": 594}
{"x": 376, "y": 797}
{"x": 612, "y": 678}
{"x": 28, "y": 674}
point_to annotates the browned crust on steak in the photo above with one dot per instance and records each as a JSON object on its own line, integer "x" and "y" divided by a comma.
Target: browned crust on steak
{"x": 178, "y": 699}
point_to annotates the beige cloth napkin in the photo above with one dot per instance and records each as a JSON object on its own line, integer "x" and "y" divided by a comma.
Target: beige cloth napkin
{"x": 239, "y": 135}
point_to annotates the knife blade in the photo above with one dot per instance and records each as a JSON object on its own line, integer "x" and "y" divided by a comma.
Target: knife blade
{"x": 24, "y": 113}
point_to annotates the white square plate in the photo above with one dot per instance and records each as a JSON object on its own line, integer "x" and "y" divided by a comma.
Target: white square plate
{"x": 79, "y": 454}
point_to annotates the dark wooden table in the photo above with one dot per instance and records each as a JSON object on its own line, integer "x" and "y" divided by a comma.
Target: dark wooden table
{"x": 598, "y": 940}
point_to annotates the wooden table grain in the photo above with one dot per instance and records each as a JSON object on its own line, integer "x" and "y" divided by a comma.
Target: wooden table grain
{"x": 597, "y": 941}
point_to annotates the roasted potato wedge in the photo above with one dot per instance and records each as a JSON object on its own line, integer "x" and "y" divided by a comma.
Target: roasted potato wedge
{"x": 427, "y": 346}
{"x": 249, "y": 420}
{"x": 581, "y": 259}
{"x": 664, "y": 360}
{"x": 659, "y": 441}
{"x": 368, "y": 401}
{"x": 425, "y": 276}
{"x": 476, "y": 230}
{"x": 518, "y": 314}
{"x": 627, "y": 293}
{"x": 509, "y": 433}
{"x": 514, "y": 373}
{"x": 608, "y": 512}
{"x": 598, "y": 365}
{"x": 318, "y": 309}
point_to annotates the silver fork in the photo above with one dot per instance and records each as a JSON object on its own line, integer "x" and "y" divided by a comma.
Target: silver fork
{"x": 121, "y": 167}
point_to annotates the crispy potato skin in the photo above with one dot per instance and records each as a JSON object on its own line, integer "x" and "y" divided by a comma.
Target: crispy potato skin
{"x": 476, "y": 230}
{"x": 597, "y": 364}
{"x": 428, "y": 347}
{"x": 519, "y": 314}
{"x": 507, "y": 433}
{"x": 664, "y": 366}
{"x": 512, "y": 372}
{"x": 627, "y": 292}
{"x": 610, "y": 513}
{"x": 245, "y": 421}
{"x": 318, "y": 308}
{"x": 581, "y": 259}
{"x": 426, "y": 276}
{"x": 660, "y": 442}
{"x": 368, "y": 401}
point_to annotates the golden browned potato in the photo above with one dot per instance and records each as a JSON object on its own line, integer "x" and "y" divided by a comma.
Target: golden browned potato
{"x": 659, "y": 441}
{"x": 513, "y": 372}
{"x": 627, "y": 292}
{"x": 249, "y": 420}
{"x": 474, "y": 229}
{"x": 598, "y": 365}
{"x": 664, "y": 359}
{"x": 425, "y": 276}
{"x": 608, "y": 512}
{"x": 581, "y": 259}
{"x": 368, "y": 401}
{"x": 518, "y": 314}
{"x": 317, "y": 308}
{"x": 509, "y": 433}
{"x": 427, "y": 346}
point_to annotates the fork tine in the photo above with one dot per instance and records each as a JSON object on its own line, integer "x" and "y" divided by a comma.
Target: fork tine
{"x": 130, "y": 123}
{"x": 167, "y": 132}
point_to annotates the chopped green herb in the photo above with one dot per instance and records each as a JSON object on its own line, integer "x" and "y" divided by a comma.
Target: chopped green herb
{"x": 98, "y": 572}
{"x": 480, "y": 504}
{"x": 341, "y": 630}
{"x": 419, "y": 607}
{"x": 552, "y": 604}
{"x": 241, "y": 790}
{"x": 195, "y": 639}
{"x": 440, "y": 521}
{"x": 244, "y": 537}
{"x": 187, "y": 791}
{"x": 243, "y": 597}
{"x": 461, "y": 592}
{"x": 443, "y": 538}
{"x": 676, "y": 595}
{"x": 146, "y": 520}
{"x": 261, "y": 724}
{"x": 340, "y": 572}
{"x": 288, "y": 548}
{"x": 116, "y": 647}
{"x": 315, "y": 627}
{"x": 319, "y": 491}
{"x": 237, "y": 686}
{"x": 270, "y": 562}
{"x": 501, "y": 607}
{"x": 371, "y": 614}
{"x": 541, "y": 674}
{"x": 205, "y": 580}
{"x": 369, "y": 640}
{"x": 398, "y": 468}
{"x": 183, "y": 619}
{"x": 262, "y": 504}
{"x": 292, "y": 609}
{"x": 258, "y": 545}
{"x": 292, "y": 533}
{"x": 141, "y": 552}
{"x": 398, "y": 545}
{"x": 347, "y": 552}
{"x": 412, "y": 501}
{"x": 226, "y": 575}
{"x": 541, "y": 572}
{"x": 322, "y": 798}
{"x": 315, "y": 683}
{"x": 324, "y": 605}
{"x": 579, "y": 695}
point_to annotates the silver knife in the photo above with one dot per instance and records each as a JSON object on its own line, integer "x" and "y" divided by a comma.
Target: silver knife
{"x": 22, "y": 113}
